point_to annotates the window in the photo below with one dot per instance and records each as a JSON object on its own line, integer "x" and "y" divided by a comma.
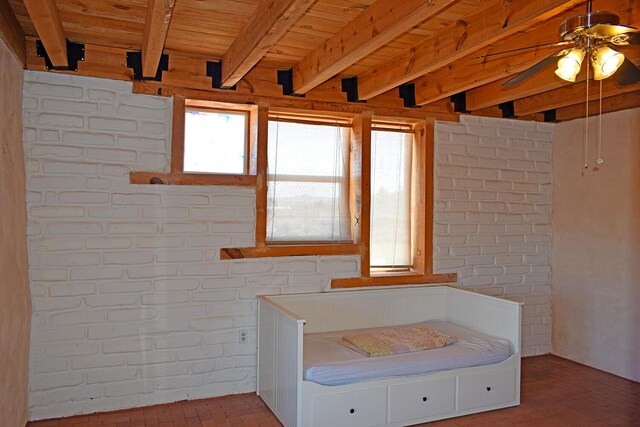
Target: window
{"x": 212, "y": 143}
{"x": 390, "y": 240}
{"x": 215, "y": 141}
{"x": 308, "y": 182}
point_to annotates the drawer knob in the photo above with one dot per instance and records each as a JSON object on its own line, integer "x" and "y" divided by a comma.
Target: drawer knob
{"x": 488, "y": 388}
{"x": 425, "y": 398}
{"x": 351, "y": 411}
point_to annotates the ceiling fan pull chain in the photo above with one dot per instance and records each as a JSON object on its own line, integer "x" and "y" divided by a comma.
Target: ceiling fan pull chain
{"x": 585, "y": 154}
{"x": 599, "y": 159}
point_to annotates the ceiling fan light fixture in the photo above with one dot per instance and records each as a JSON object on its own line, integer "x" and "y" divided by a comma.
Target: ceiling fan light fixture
{"x": 569, "y": 65}
{"x": 606, "y": 61}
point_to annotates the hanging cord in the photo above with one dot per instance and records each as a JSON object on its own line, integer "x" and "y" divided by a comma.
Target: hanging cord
{"x": 599, "y": 159}
{"x": 275, "y": 180}
{"x": 585, "y": 154}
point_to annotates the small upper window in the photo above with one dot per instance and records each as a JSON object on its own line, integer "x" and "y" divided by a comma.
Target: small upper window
{"x": 215, "y": 141}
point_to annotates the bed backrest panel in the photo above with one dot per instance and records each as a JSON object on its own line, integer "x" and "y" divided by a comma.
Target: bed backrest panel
{"x": 332, "y": 311}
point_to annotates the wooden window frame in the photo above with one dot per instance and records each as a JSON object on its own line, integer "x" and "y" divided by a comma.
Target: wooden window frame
{"x": 177, "y": 176}
{"x": 381, "y": 126}
{"x": 359, "y": 192}
{"x": 421, "y": 218}
{"x": 311, "y": 120}
{"x": 262, "y": 248}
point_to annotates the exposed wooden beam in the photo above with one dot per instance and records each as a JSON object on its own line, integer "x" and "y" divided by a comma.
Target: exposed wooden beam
{"x": 259, "y": 86}
{"x": 496, "y": 21}
{"x": 493, "y": 93}
{"x": 11, "y": 32}
{"x": 156, "y": 25}
{"x": 466, "y": 74}
{"x": 272, "y": 19}
{"x": 376, "y": 26}
{"x": 609, "y": 105}
{"x": 568, "y": 95}
{"x": 46, "y": 19}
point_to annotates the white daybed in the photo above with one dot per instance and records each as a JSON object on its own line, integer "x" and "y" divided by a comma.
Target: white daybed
{"x": 395, "y": 401}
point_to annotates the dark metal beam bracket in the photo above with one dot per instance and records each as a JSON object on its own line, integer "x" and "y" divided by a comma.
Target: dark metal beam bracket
{"x": 508, "y": 110}
{"x": 75, "y": 53}
{"x": 214, "y": 70}
{"x": 285, "y": 79}
{"x": 350, "y": 87}
{"x": 459, "y": 101}
{"x": 550, "y": 116}
{"x": 408, "y": 94}
{"x": 134, "y": 61}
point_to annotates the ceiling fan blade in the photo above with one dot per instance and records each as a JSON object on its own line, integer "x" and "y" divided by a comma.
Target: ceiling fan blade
{"x": 504, "y": 52}
{"x": 627, "y": 74}
{"x": 630, "y": 38}
{"x": 634, "y": 38}
{"x": 608, "y": 30}
{"x": 534, "y": 69}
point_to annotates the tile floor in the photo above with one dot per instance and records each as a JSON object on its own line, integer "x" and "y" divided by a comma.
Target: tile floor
{"x": 555, "y": 392}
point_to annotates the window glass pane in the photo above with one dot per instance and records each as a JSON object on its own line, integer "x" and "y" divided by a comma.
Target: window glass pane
{"x": 390, "y": 199}
{"x": 307, "y": 195}
{"x": 214, "y": 142}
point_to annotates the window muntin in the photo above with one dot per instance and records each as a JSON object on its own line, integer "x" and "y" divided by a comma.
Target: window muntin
{"x": 390, "y": 237}
{"x": 308, "y": 184}
{"x": 215, "y": 141}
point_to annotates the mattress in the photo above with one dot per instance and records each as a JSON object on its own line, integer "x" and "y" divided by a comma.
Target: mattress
{"x": 329, "y": 363}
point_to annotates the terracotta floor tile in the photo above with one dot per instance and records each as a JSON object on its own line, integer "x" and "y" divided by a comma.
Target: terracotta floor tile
{"x": 555, "y": 393}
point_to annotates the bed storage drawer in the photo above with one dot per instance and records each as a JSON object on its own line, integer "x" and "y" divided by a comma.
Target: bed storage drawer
{"x": 421, "y": 399}
{"x": 486, "y": 388}
{"x": 366, "y": 407}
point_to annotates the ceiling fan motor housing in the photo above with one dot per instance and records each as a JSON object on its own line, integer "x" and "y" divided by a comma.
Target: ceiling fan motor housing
{"x": 597, "y": 25}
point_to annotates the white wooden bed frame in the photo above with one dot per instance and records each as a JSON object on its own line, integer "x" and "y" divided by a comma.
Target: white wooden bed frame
{"x": 284, "y": 319}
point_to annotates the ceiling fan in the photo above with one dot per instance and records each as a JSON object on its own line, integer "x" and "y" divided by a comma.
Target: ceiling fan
{"x": 593, "y": 36}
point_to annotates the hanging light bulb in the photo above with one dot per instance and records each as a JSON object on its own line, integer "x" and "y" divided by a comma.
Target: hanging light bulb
{"x": 569, "y": 65}
{"x": 606, "y": 61}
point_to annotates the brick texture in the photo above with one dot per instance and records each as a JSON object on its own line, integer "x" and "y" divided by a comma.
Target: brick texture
{"x": 132, "y": 305}
{"x": 492, "y": 214}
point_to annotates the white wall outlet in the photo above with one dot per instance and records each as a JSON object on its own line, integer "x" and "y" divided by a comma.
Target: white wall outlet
{"x": 243, "y": 336}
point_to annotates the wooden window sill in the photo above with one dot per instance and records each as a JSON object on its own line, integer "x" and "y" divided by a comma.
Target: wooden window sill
{"x": 191, "y": 179}
{"x": 292, "y": 250}
{"x": 395, "y": 279}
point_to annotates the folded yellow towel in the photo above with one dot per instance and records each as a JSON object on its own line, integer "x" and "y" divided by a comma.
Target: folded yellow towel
{"x": 396, "y": 340}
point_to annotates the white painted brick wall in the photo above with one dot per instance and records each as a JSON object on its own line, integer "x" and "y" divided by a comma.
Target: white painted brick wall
{"x": 492, "y": 214}
{"x": 132, "y": 305}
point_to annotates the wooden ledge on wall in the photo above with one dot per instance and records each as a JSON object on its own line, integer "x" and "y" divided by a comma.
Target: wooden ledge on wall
{"x": 399, "y": 279}
{"x": 290, "y": 250}
{"x": 191, "y": 179}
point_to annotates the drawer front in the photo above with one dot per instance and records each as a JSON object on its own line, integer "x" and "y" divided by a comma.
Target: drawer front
{"x": 486, "y": 388}
{"x": 421, "y": 399}
{"x": 353, "y": 409}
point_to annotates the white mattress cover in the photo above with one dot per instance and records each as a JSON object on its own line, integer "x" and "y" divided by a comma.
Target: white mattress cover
{"x": 329, "y": 363}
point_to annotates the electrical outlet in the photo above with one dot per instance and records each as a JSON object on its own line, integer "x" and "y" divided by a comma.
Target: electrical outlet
{"x": 243, "y": 336}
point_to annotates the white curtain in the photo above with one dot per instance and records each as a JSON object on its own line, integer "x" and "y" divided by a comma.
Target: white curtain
{"x": 307, "y": 197}
{"x": 390, "y": 199}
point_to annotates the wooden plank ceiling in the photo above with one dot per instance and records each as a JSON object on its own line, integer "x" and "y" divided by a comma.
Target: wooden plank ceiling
{"x": 384, "y": 43}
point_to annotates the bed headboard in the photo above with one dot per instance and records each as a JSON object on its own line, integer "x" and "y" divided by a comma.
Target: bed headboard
{"x": 332, "y": 311}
